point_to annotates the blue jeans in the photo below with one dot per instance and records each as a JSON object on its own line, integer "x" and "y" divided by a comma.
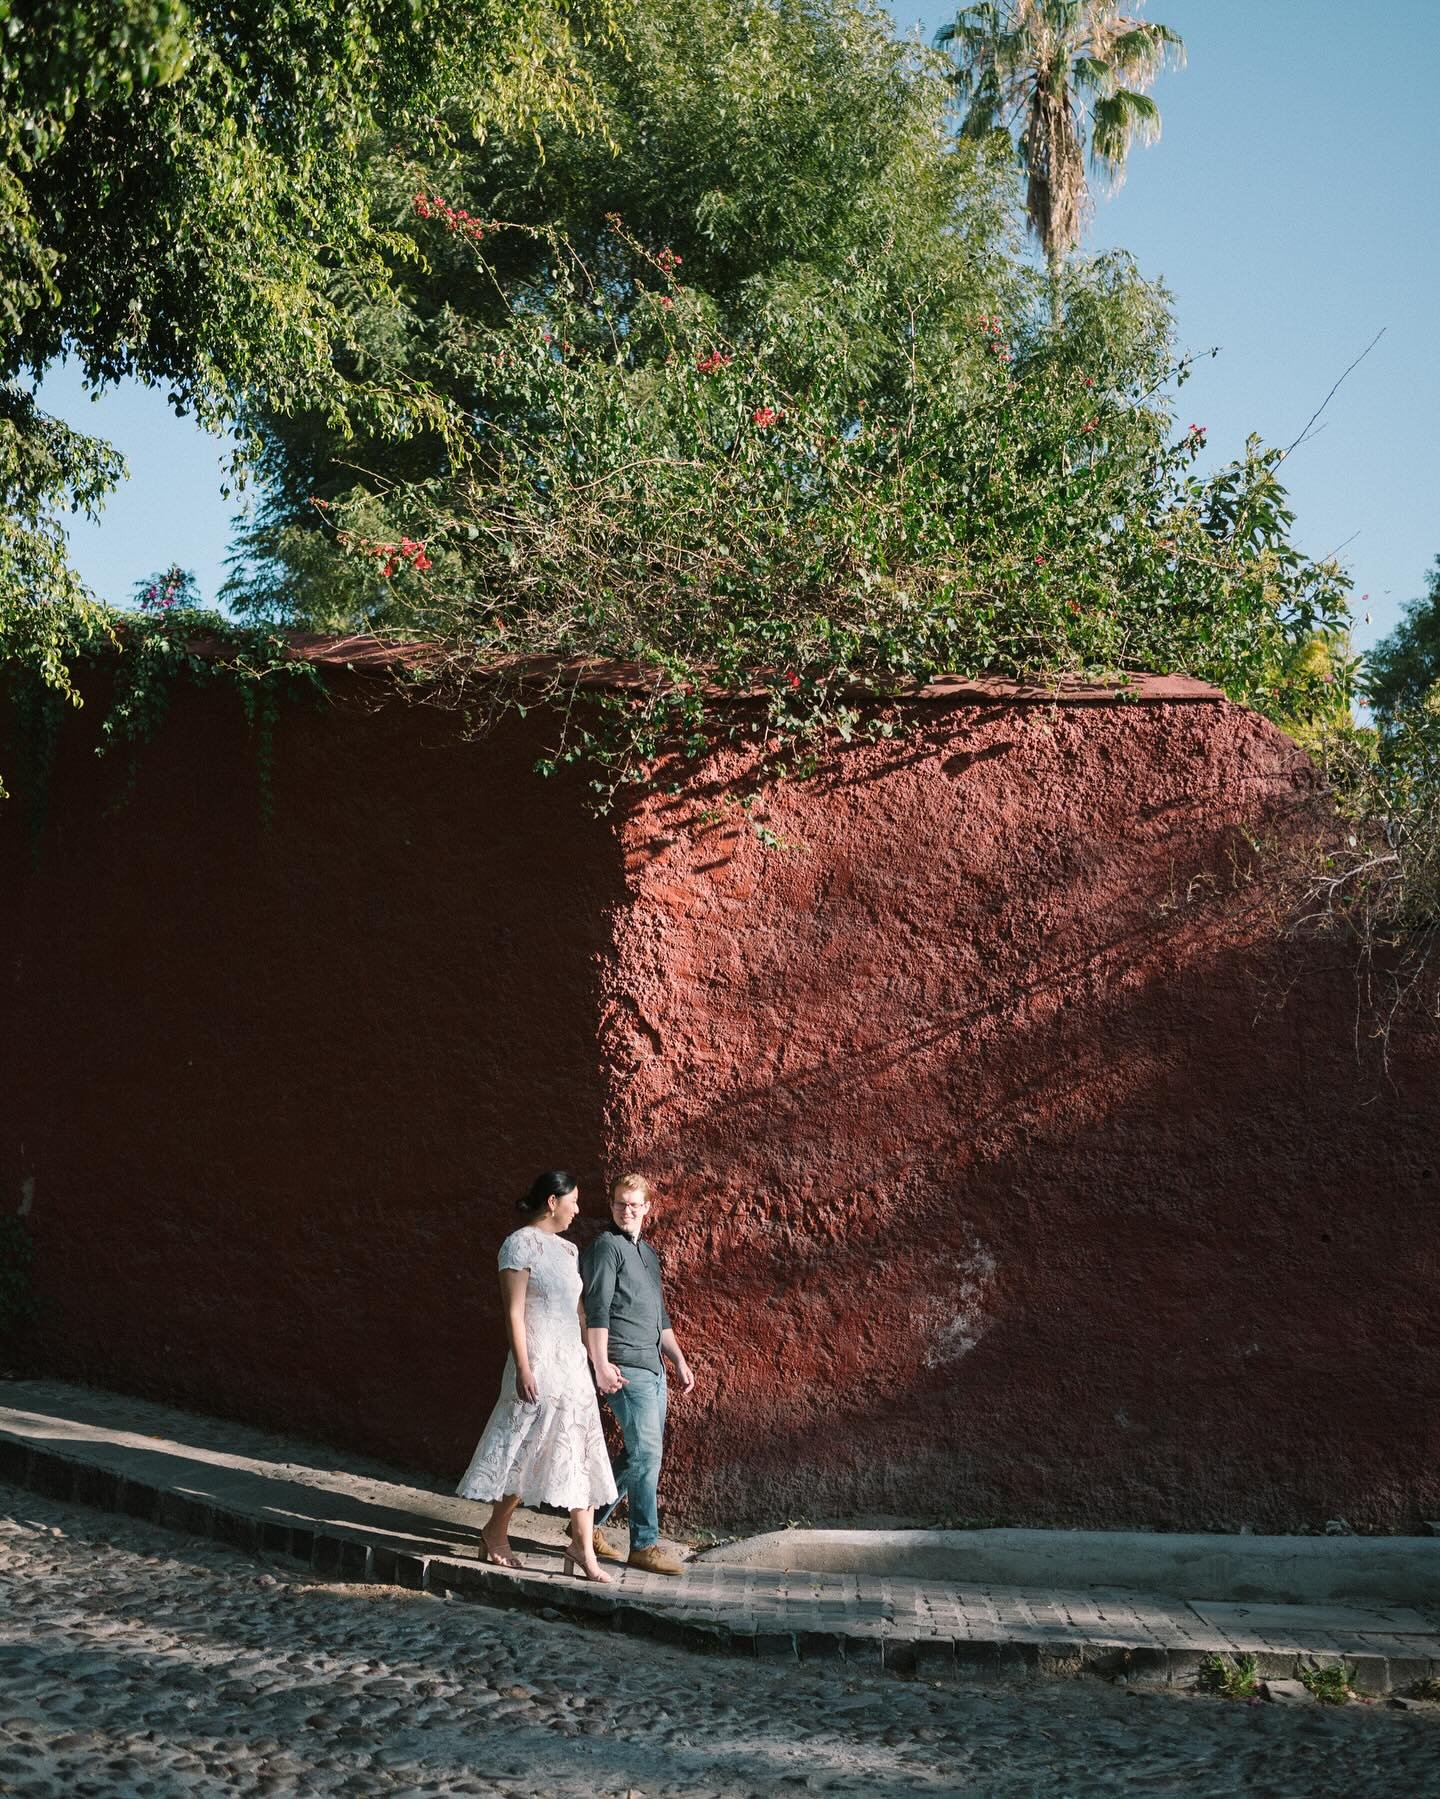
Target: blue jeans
{"x": 639, "y": 1409}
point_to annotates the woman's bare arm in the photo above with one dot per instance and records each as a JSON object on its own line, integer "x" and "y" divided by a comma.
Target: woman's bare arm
{"x": 513, "y": 1282}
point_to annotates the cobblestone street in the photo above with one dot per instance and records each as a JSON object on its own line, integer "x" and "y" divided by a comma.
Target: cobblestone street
{"x": 135, "y": 1662}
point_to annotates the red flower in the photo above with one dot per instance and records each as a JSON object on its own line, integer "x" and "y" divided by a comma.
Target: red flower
{"x": 792, "y": 677}
{"x": 665, "y": 300}
{"x": 711, "y": 364}
{"x": 765, "y": 415}
{"x": 421, "y": 563}
{"x": 668, "y": 260}
{"x": 1090, "y": 424}
{"x": 453, "y": 218}
{"x": 1041, "y": 560}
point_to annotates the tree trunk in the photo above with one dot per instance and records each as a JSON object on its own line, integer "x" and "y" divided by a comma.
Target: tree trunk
{"x": 1055, "y": 267}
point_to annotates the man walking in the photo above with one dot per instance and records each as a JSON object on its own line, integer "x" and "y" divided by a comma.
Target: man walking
{"x": 630, "y": 1339}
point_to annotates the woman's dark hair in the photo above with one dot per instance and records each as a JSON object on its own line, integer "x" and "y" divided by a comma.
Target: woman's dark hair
{"x": 551, "y": 1185}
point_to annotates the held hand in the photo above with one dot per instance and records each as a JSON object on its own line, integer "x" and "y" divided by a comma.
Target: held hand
{"x": 609, "y": 1379}
{"x": 527, "y": 1386}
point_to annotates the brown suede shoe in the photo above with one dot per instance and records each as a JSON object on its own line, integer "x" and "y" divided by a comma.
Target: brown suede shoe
{"x": 653, "y": 1561}
{"x": 605, "y": 1551}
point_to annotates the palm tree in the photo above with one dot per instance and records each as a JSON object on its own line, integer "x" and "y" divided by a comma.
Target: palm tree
{"x": 1054, "y": 72}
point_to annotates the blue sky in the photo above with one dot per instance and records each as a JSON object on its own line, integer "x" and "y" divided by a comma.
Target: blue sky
{"x": 1288, "y": 206}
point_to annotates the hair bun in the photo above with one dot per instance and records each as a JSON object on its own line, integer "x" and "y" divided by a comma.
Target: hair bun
{"x": 555, "y": 1183}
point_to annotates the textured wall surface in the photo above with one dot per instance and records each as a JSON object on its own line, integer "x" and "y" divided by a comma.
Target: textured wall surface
{"x": 276, "y": 1088}
{"x": 1007, "y": 1167}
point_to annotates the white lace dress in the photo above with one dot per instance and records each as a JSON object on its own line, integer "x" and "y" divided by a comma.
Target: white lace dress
{"x": 551, "y": 1451}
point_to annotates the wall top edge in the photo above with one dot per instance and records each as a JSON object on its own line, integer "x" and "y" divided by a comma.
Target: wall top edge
{"x": 364, "y": 654}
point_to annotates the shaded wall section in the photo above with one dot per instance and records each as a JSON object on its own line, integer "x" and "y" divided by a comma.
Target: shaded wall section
{"x": 1009, "y": 1167}
{"x": 277, "y": 1085}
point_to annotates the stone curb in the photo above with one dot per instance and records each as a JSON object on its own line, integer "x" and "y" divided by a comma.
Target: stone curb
{"x": 347, "y": 1556}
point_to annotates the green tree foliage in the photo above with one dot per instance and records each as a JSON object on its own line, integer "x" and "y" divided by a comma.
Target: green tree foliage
{"x": 1061, "y": 75}
{"x": 731, "y": 368}
{"x": 181, "y": 182}
{"x": 772, "y": 402}
{"x": 772, "y": 145}
{"x": 183, "y": 198}
{"x": 1404, "y": 668}
{"x": 1375, "y": 881}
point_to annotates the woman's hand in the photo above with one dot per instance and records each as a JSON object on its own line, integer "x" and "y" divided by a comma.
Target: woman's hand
{"x": 527, "y": 1386}
{"x": 609, "y": 1379}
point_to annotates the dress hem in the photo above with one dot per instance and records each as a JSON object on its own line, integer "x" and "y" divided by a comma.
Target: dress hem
{"x": 564, "y": 1503}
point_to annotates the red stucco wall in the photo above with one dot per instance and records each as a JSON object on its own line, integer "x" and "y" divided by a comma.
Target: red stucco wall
{"x": 1008, "y": 1166}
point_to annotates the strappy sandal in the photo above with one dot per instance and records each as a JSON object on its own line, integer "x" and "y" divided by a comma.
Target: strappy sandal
{"x": 495, "y": 1559}
{"x": 574, "y": 1565}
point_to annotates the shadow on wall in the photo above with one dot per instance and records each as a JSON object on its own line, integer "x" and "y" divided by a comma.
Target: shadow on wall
{"x": 1064, "y": 1197}
{"x": 278, "y": 1088}
{"x": 1207, "y": 1326}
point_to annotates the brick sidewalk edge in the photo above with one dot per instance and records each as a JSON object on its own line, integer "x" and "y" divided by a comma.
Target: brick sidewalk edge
{"x": 347, "y": 1556}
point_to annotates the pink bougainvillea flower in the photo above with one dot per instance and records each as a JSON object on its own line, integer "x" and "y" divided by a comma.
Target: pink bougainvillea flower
{"x": 454, "y": 218}
{"x": 765, "y": 415}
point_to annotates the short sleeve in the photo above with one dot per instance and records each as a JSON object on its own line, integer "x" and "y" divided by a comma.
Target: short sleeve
{"x": 519, "y": 1251}
{"x": 599, "y": 1267}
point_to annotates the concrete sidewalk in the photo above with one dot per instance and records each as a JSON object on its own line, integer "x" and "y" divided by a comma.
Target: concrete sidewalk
{"x": 354, "y": 1520}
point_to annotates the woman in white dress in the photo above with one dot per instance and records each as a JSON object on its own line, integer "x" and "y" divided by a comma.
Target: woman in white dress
{"x": 544, "y": 1444}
